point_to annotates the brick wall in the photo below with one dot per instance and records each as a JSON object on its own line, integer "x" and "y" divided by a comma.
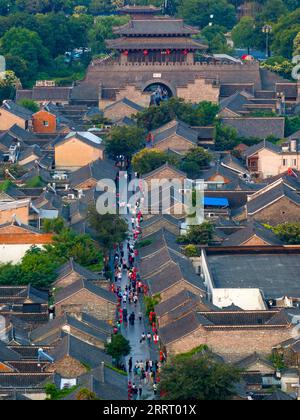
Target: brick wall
{"x": 21, "y": 213}
{"x": 7, "y": 120}
{"x": 84, "y": 301}
{"x": 233, "y": 344}
{"x": 282, "y": 211}
{"x": 165, "y": 173}
{"x": 67, "y": 367}
{"x": 44, "y": 122}
{"x": 118, "y": 112}
{"x": 75, "y": 154}
{"x": 160, "y": 224}
{"x": 67, "y": 280}
{"x": 134, "y": 94}
{"x": 175, "y": 142}
{"x": 199, "y": 91}
{"x": 255, "y": 241}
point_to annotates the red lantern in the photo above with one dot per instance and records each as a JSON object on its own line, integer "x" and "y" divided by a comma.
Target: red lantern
{"x": 145, "y": 52}
{"x": 185, "y": 52}
{"x": 126, "y": 53}
{"x": 168, "y": 52}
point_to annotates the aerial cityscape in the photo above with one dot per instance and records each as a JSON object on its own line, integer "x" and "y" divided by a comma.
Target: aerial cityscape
{"x": 150, "y": 202}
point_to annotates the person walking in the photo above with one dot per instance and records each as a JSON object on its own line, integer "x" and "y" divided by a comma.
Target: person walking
{"x": 155, "y": 388}
{"x": 149, "y": 338}
{"x": 140, "y": 317}
{"x": 130, "y": 365}
{"x": 140, "y": 391}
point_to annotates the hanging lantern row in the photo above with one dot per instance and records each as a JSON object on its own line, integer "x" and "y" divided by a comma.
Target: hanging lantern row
{"x": 166, "y": 52}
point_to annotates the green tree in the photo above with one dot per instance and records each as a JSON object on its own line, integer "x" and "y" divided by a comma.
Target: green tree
{"x": 197, "y": 377}
{"x": 272, "y": 10}
{"x": 86, "y": 395}
{"x": 215, "y": 36}
{"x": 8, "y": 85}
{"x": 194, "y": 161}
{"x": 29, "y": 104}
{"x": 147, "y": 160}
{"x": 292, "y": 124}
{"x": 226, "y": 137}
{"x": 201, "y": 114}
{"x": 37, "y": 269}
{"x": 198, "y": 12}
{"x": 53, "y": 225}
{"x": 289, "y": 233}
{"x": 118, "y": 347}
{"x": 297, "y": 44}
{"x": 28, "y": 46}
{"x": 110, "y": 228}
{"x": 284, "y": 34}
{"x": 102, "y": 30}
{"x": 124, "y": 141}
{"x": 244, "y": 34}
{"x": 69, "y": 244}
{"x": 200, "y": 234}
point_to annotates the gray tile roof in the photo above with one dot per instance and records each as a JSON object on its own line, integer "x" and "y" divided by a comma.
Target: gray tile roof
{"x": 260, "y": 146}
{"x": 279, "y": 395}
{"x": 236, "y": 101}
{"x": 84, "y": 284}
{"x": 180, "y": 129}
{"x": 276, "y": 275}
{"x": 96, "y": 170}
{"x": 154, "y": 27}
{"x": 257, "y": 127}
{"x": 6, "y": 354}
{"x": 250, "y": 360}
{"x": 135, "y": 107}
{"x": 79, "y": 350}
{"x": 247, "y": 232}
{"x": 20, "y": 134}
{"x": 17, "y": 110}
{"x": 229, "y": 89}
{"x": 71, "y": 266}
{"x": 23, "y": 380}
{"x": 258, "y": 202}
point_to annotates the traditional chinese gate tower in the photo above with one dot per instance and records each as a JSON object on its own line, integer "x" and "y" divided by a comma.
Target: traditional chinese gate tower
{"x": 152, "y": 51}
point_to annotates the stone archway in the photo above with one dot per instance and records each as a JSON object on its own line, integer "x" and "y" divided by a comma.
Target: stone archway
{"x": 153, "y": 84}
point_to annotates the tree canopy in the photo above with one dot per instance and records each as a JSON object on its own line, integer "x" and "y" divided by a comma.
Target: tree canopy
{"x": 110, "y": 229}
{"x": 197, "y": 376}
{"x": 201, "y": 114}
{"x": 124, "y": 141}
{"x": 118, "y": 347}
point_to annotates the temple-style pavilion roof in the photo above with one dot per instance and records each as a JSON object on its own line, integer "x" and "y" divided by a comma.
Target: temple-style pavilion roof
{"x": 161, "y": 43}
{"x": 143, "y": 10}
{"x": 156, "y": 27}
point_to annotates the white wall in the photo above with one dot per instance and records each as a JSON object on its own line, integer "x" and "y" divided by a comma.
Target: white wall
{"x": 14, "y": 253}
{"x": 246, "y": 299}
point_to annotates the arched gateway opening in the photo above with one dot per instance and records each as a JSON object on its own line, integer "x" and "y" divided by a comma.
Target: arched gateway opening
{"x": 159, "y": 91}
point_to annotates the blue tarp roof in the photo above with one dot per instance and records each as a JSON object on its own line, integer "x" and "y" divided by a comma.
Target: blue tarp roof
{"x": 216, "y": 202}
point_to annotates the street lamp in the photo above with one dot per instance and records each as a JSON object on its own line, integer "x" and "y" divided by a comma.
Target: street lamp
{"x": 211, "y": 17}
{"x": 267, "y": 29}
